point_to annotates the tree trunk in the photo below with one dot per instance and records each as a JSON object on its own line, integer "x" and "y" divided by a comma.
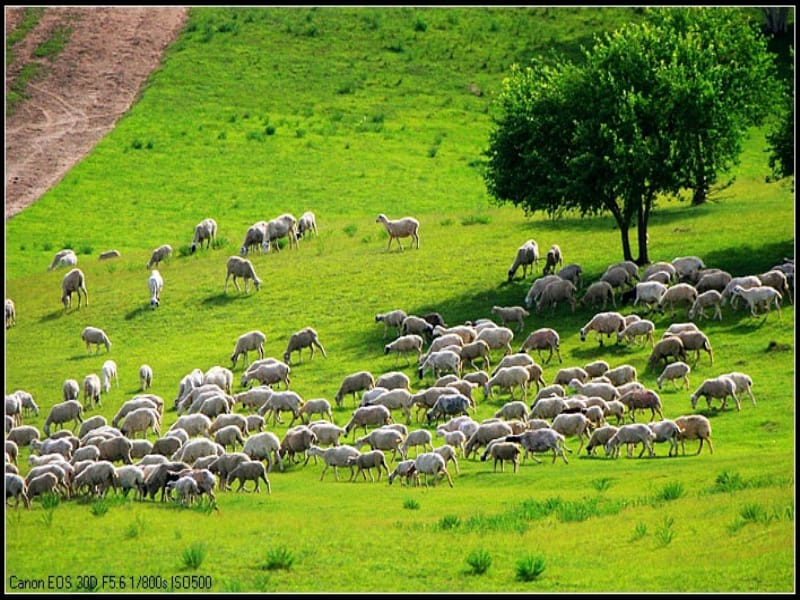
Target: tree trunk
{"x": 701, "y": 182}
{"x": 776, "y": 19}
{"x": 643, "y": 217}
{"x": 623, "y": 225}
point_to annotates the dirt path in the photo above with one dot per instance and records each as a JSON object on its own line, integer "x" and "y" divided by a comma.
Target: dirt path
{"x": 91, "y": 84}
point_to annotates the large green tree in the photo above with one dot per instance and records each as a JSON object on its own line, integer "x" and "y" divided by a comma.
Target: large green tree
{"x": 655, "y": 108}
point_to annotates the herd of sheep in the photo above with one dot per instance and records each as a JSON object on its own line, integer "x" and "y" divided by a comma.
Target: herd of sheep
{"x": 222, "y": 436}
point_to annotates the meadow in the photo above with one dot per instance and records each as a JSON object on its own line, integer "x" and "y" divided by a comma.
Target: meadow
{"x": 351, "y": 113}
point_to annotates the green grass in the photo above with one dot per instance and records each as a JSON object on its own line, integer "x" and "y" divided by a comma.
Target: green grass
{"x": 233, "y": 71}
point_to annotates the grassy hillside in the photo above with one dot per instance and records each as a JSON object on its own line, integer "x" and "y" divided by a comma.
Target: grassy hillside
{"x": 350, "y": 113}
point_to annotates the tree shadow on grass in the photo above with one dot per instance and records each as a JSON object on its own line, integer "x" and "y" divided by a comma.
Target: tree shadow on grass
{"x": 223, "y": 298}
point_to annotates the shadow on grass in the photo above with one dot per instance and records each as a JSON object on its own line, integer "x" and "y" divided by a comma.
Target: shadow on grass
{"x": 137, "y": 312}
{"x": 223, "y": 298}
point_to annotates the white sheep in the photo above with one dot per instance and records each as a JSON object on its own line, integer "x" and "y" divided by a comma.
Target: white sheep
{"x": 252, "y": 340}
{"x": 599, "y": 291}
{"x": 355, "y": 382}
{"x": 537, "y": 287}
{"x": 746, "y": 281}
{"x": 194, "y": 424}
{"x": 680, "y": 293}
{"x": 604, "y": 323}
{"x": 662, "y": 277}
{"x": 541, "y": 440}
{"x": 762, "y": 296}
{"x": 442, "y": 342}
{"x": 220, "y": 376}
{"x": 375, "y": 415}
{"x": 565, "y": 375}
{"x": 552, "y": 258}
{"x": 296, "y": 441}
{"x": 432, "y": 463}
{"x": 130, "y": 477}
{"x": 254, "y": 238}
{"x": 385, "y": 439}
{"x": 140, "y": 420}
{"x": 719, "y": 387}
{"x": 278, "y": 402}
{"x": 28, "y": 404}
{"x": 509, "y": 378}
{"x": 282, "y": 226}
{"x": 649, "y": 293}
{"x": 687, "y": 266}
{"x": 63, "y": 258}
{"x": 400, "y": 228}
{"x": 267, "y": 374}
{"x": 155, "y": 283}
{"x": 22, "y": 435}
{"x": 502, "y": 451}
{"x": 674, "y": 371}
{"x": 498, "y": 338}
{"x": 467, "y": 333}
{"x": 666, "y": 430}
{"x": 621, "y": 375}
{"x": 511, "y": 314}
{"x": 641, "y": 330}
{"x": 573, "y": 272}
{"x": 264, "y": 446}
{"x": 393, "y": 380}
{"x": 186, "y": 489}
{"x": 327, "y": 433}
{"x": 744, "y": 383}
{"x": 143, "y": 401}
{"x": 443, "y": 361}
{"x": 63, "y": 412}
{"x": 477, "y": 350}
{"x": 109, "y": 373}
{"x": 696, "y": 341}
{"x": 485, "y": 433}
{"x": 631, "y": 435}
{"x": 713, "y": 280}
{"x": 145, "y": 377}
{"x": 527, "y": 256}
{"x": 547, "y": 407}
{"x": 316, "y": 406}
{"x": 11, "y": 313}
{"x": 694, "y": 427}
{"x": 159, "y": 254}
{"x": 777, "y": 279}
{"x": 600, "y": 437}
{"x": 415, "y": 439}
{"x": 305, "y": 338}
{"x": 241, "y": 267}
{"x": 336, "y": 456}
{"x": 396, "y": 399}
{"x": 204, "y": 231}
{"x": 557, "y": 291}
{"x": 366, "y": 461}
{"x": 606, "y": 391}
{"x": 307, "y": 222}
{"x": 569, "y": 424}
{"x": 641, "y": 400}
{"x": 17, "y": 488}
{"x": 74, "y": 282}
{"x": 393, "y": 318}
{"x": 668, "y": 347}
{"x": 94, "y": 335}
{"x": 618, "y": 277}
{"x": 248, "y": 471}
{"x": 543, "y": 339}
{"x": 92, "y": 390}
{"x": 455, "y": 439}
{"x": 96, "y": 478}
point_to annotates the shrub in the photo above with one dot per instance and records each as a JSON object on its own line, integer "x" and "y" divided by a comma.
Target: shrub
{"x": 449, "y": 522}
{"x": 279, "y": 558}
{"x": 411, "y": 504}
{"x": 529, "y": 568}
{"x": 479, "y": 561}
{"x": 194, "y": 555}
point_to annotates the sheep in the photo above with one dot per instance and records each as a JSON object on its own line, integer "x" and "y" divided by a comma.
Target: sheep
{"x": 14, "y": 408}
{"x": 680, "y": 293}
{"x": 140, "y": 449}
{"x": 426, "y": 398}
{"x": 666, "y": 430}
{"x": 697, "y": 341}
{"x": 485, "y": 433}
{"x": 12, "y": 451}
{"x": 252, "y": 340}
{"x": 509, "y": 378}
{"x": 680, "y": 328}
{"x": 109, "y": 373}
{"x": 368, "y": 415}
{"x": 268, "y": 374}
{"x": 600, "y": 437}
{"x": 777, "y": 279}
{"x": 400, "y": 228}
{"x": 17, "y": 488}
{"x": 336, "y": 456}
{"x": 694, "y": 427}
{"x": 46, "y": 483}
{"x": 658, "y": 266}
{"x": 145, "y": 377}
{"x": 194, "y": 424}
{"x": 543, "y": 339}
{"x": 467, "y": 333}
{"x": 649, "y": 293}
{"x": 305, "y": 338}
{"x": 159, "y": 254}
{"x": 668, "y": 347}
{"x": 674, "y": 371}
{"x": 393, "y": 380}
{"x": 744, "y": 383}
{"x": 527, "y": 256}
{"x": 555, "y": 292}
{"x": 511, "y": 314}
{"x": 760, "y": 296}
{"x": 608, "y": 323}
{"x": 498, "y": 338}
{"x": 241, "y": 267}
{"x": 140, "y": 420}
{"x": 573, "y": 272}
{"x": 22, "y": 435}
{"x": 130, "y": 477}
{"x": 366, "y": 461}
{"x": 478, "y": 349}
{"x": 455, "y": 439}
{"x": 155, "y": 283}
{"x": 687, "y": 266}
{"x": 254, "y": 238}
{"x": 63, "y": 258}
{"x": 662, "y": 277}
{"x": 502, "y": 451}
{"x": 73, "y": 282}
{"x": 598, "y": 291}
{"x": 643, "y": 330}
{"x": 27, "y": 402}
{"x": 552, "y": 258}
{"x": 631, "y": 435}
{"x": 746, "y": 282}
{"x": 406, "y": 469}
{"x": 439, "y": 362}
{"x": 278, "y": 402}
{"x": 606, "y": 391}
{"x": 63, "y": 412}
{"x": 307, "y": 222}
{"x": 395, "y": 399}
{"x": 516, "y": 409}
{"x": 327, "y": 433}
{"x": 641, "y": 400}
{"x": 116, "y": 448}
{"x": 282, "y": 226}
{"x": 96, "y": 336}
{"x": 97, "y": 478}
{"x": 156, "y": 477}
{"x": 393, "y": 318}
{"x": 478, "y": 378}
{"x": 131, "y": 405}
{"x": 621, "y": 375}
{"x": 264, "y": 446}
{"x": 719, "y": 387}
{"x": 540, "y": 440}
{"x": 442, "y": 342}
{"x": 568, "y": 424}
{"x": 384, "y": 439}
{"x": 355, "y": 382}
{"x": 431, "y": 463}
{"x": 296, "y": 441}
{"x": 618, "y": 277}
{"x": 62, "y": 446}
{"x": 11, "y": 313}
{"x": 315, "y": 406}
{"x": 715, "y": 280}
{"x": 92, "y": 390}
{"x": 204, "y": 231}
{"x": 564, "y": 376}
{"x": 416, "y": 438}
{"x": 547, "y": 407}
{"x": 247, "y": 470}
{"x": 537, "y": 287}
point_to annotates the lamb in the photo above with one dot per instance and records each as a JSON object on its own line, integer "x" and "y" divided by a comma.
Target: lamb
{"x": 140, "y": 420}
{"x": 485, "y": 433}
{"x": 368, "y": 415}
{"x": 747, "y": 281}
{"x": 552, "y": 258}
{"x": 674, "y": 371}
{"x": 406, "y": 469}
{"x": 204, "y": 231}
{"x": 355, "y": 382}
{"x": 159, "y": 254}
{"x": 527, "y": 256}
{"x": 278, "y": 402}
{"x": 600, "y": 437}
{"x": 716, "y": 280}
{"x": 307, "y": 222}
{"x": 431, "y": 463}
{"x": 511, "y": 314}
{"x": 400, "y": 228}
{"x": 555, "y": 292}
{"x": 264, "y": 446}
{"x": 374, "y": 459}
{"x": 498, "y": 338}
{"x": 509, "y": 378}
{"x": 145, "y": 377}
{"x": 760, "y": 296}
{"x": 96, "y": 336}
{"x": 694, "y": 427}
{"x": 543, "y": 339}
{"x": 316, "y": 406}
{"x": 155, "y": 283}
{"x": 73, "y": 282}
{"x": 608, "y": 323}
{"x": 744, "y": 383}
{"x": 599, "y": 291}
{"x": 439, "y": 362}
{"x": 92, "y": 389}
{"x": 64, "y": 258}
{"x": 282, "y": 226}
{"x": 186, "y": 488}
{"x": 252, "y": 340}
{"x": 649, "y": 293}
{"x": 254, "y": 238}
{"x": 719, "y": 387}
{"x": 384, "y": 439}
{"x": 536, "y": 289}
{"x": 643, "y": 329}
{"x": 697, "y": 341}
{"x": 241, "y": 267}
{"x": 621, "y": 375}
{"x": 666, "y": 430}
{"x": 248, "y": 470}
{"x": 668, "y": 347}
{"x": 502, "y": 451}
{"x": 540, "y": 440}
{"x": 17, "y": 488}
{"x": 631, "y": 435}
{"x": 568, "y": 424}
{"x": 680, "y": 293}
{"x": 641, "y": 400}
{"x": 267, "y": 374}
{"x": 11, "y": 313}
{"x": 305, "y": 338}
{"x": 337, "y": 456}
{"x": 393, "y": 318}
{"x": 63, "y": 412}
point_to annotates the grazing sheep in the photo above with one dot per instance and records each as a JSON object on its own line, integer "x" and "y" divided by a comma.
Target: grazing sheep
{"x": 744, "y": 383}
{"x": 17, "y": 488}
{"x": 597, "y": 292}
{"x": 641, "y": 400}
{"x": 393, "y": 318}
{"x": 14, "y": 408}
{"x": 443, "y": 361}
{"x": 145, "y": 377}
{"x": 509, "y": 378}
{"x": 573, "y": 272}
{"x": 674, "y": 371}
{"x": 63, "y": 412}
{"x": 11, "y": 313}
{"x": 696, "y": 341}
{"x": 307, "y": 222}
{"x": 130, "y": 477}
{"x": 600, "y": 437}
{"x": 375, "y": 415}
{"x": 706, "y": 300}
{"x": 517, "y": 359}
{"x": 186, "y": 488}
{"x": 384, "y": 439}
{"x": 140, "y": 420}
{"x": 649, "y": 293}
{"x": 252, "y": 340}
{"x": 109, "y": 372}
{"x": 543, "y": 339}
{"x": 448, "y": 404}
{"x": 621, "y": 375}
{"x": 248, "y": 470}
{"x": 694, "y": 427}
{"x": 555, "y": 292}
{"x": 747, "y": 281}
{"x": 92, "y": 389}
{"x": 264, "y": 446}
{"x": 758, "y": 297}
{"x": 680, "y": 293}
{"x": 552, "y": 258}
{"x": 327, "y": 433}
{"x": 540, "y": 440}
{"x": 662, "y": 277}
{"x": 156, "y": 477}
{"x": 547, "y": 407}
{"x": 443, "y": 342}
{"x": 527, "y": 256}
{"x": 606, "y": 391}
{"x": 22, "y": 435}
{"x": 666, "y": 430}
{"x": 631, "y": 435}
{"x": 477, "y": 350}
{"x": 498, "y": 338}
{"x": 159, "y": 254}
{"x": 305, "y": 338}
{"x": 485, "y": 433}
{"x": 116, "y": 448}
{"x": 46, "y": 483}
{"x": 679, "y": 328}
{"x": 406, "y": 470}
{"x": 64, "y": 258}
{"x": 355, "y": 382}
{"x": 536, "y": 289}
{"x": 455, "y": 439}
{"x": 564, "y": 376}
{"x": 282, "y": 226}
{"x": 96, "y": 336}
{"x": 194, "y": 424}
{"x": 254, "y": 398}
{"x": 394, "y": 380}
{"x": 642, "y": 329}
{"x": 241, "y": 267}
{"x": 74, "y": 282}
{"x": 296, "y": 441}
{"x": 278, "y": 402}
{"x": 618, "y": 278}
{"x": 155, "y": 283}
{"x": 396, "y": 399}
{"x": 130, "y": 405}
{"x": 336, "y": 456}
{"x": 400, "y": 228}
{"x": 569, "y": 424}
{"x": 687, "y": 266}
{"x": 316, "y": 406}
{"x": 668, "y": 347}
{"x": 608, "y": 323}
{"x": 719, "y": 387}
{"x": 255, "y": 238}
{"x": 511, "y": 314}
{"x": 109, "y": 254}
{"x": 366, "y": 461}
{"x": 431, "y": 463}
{"x": 777, "y": 279}
{"x": 204, "y": 231}
{"x": 716, "y": 280}
{"x": 501, "y": 451}
{"x": 267, "y": 374}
